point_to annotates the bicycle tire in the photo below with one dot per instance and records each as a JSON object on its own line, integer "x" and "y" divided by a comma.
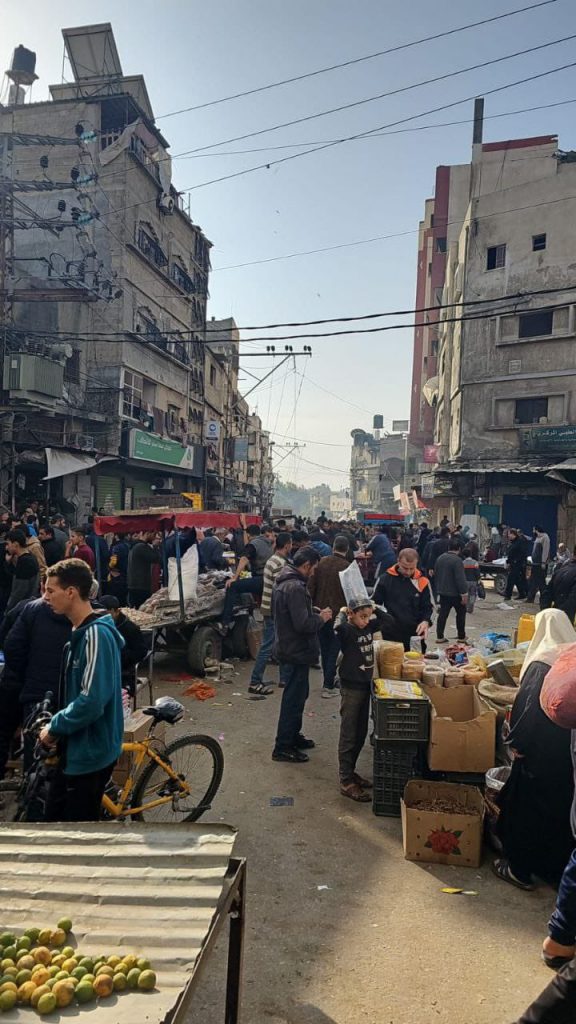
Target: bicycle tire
{"x": 152, "y": 768}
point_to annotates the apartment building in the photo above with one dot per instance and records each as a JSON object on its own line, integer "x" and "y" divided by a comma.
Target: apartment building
{"x": 503, "y": 400}
{"x": 103, "y": 398}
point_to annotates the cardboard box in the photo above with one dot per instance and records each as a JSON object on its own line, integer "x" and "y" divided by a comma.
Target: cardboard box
{"x": 136, "y": 728}
{"x": 442, "y": 837}
{"x": 462, "y": 730}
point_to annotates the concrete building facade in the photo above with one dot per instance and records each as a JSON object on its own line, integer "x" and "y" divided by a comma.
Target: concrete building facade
{"x": 505, "y": 415}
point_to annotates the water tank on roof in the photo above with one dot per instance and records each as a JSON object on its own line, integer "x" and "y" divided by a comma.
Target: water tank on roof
{"x": 22, "y": 69}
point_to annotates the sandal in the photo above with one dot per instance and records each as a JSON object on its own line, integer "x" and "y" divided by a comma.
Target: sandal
{"x": 363, "y": 783}
{"x": 502, "y": 870}
{"x": 354, "y": 792}
{"x": 261, "y": 689}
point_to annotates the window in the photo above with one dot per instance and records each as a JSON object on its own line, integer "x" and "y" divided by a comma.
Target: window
{"x": 532, "y": 325}
{"x": 213, "y": 376}
{"x": 440, "y": 245}
{"x": 538, "y": 243}
{"x": 172, "y": 419}
{"x": 132, "y": 399}
{"x": 72, "y": 368}
{"x": 530, "y": 410}
{"x": 429, "y": 270}
{"x": 434, "y": 346}
{"x": 495, "y": 257}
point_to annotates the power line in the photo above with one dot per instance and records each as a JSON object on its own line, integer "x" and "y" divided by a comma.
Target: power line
{"x": 353, "y": 138}
{"x": 356, "y": 60}
{"x": 376, "y": 134}
{"x": 383, "y": 95}
{"x": 361, "y": 135}
{"x": 509, "y": 297}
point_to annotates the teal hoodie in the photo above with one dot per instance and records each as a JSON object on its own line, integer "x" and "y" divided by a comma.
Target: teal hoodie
{"x": 92, "y": 720}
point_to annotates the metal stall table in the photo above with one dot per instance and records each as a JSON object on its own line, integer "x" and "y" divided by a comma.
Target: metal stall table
{"x": 163, "y": 892}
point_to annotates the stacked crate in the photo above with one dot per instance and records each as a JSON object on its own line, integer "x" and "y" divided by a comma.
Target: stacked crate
{"x": 401, "y": 715}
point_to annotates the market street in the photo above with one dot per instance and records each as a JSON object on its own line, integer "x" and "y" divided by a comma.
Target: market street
{"x": 340, "y": 928}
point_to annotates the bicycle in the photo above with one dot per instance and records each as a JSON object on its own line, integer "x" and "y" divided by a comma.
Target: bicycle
{"x": 163, "y": 789}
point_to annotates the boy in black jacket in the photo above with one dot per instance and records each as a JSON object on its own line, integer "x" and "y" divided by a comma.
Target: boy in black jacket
{"x": 355, "y": 628}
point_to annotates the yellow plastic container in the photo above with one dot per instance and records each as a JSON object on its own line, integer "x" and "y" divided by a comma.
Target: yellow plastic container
{"x": 526, "y": 627}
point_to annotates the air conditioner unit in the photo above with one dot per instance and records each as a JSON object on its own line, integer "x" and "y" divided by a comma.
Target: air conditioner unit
{"x": 32, "y": 376}
{"x": 166, "y": 203}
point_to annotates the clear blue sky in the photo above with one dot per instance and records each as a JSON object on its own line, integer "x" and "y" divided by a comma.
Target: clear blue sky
{"x": 193, "y": 52}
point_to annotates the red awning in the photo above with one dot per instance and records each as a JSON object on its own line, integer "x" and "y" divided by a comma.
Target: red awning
{"x": 133, "y": 522}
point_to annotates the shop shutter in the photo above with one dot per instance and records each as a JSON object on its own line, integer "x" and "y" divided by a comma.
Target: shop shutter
{"x": 109, "y": 493}
{"x": 142, "y": 493}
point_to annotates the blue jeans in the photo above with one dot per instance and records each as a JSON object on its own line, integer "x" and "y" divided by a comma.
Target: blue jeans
{"x": 329, "y": 651}
{"x": 294, "y": 697}
{"x": 562, "y": 924}
{"x": 265, "y": 653}
{"x": 250, "y": 585}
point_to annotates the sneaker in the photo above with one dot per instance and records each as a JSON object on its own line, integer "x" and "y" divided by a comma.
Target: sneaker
{"x": 327, "y": 693}
{"x": 294, "y": 756}
{"x": 441, "y": 640}
{"x": 302, "y": 743}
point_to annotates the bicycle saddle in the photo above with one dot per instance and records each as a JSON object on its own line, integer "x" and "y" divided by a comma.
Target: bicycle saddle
{"x": 166, "y": 709}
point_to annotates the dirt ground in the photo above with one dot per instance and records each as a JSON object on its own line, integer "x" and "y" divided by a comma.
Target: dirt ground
{"x": 340, "y": 928}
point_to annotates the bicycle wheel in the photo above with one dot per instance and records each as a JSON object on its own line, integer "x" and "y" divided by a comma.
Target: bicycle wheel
{"x": 197, "y": 760}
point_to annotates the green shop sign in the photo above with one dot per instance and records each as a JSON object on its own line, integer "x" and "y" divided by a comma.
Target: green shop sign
{"x": 152, "y": 448}
{"x": 549, "y": 439}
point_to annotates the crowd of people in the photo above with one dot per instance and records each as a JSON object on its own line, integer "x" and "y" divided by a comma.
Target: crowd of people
{"x": 77, "y": 642}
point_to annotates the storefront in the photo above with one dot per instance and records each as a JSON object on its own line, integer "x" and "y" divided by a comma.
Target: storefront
{"x": 152, "y": 466}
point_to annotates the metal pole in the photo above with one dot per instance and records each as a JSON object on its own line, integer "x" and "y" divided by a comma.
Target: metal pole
{"x": 179, "y": 570}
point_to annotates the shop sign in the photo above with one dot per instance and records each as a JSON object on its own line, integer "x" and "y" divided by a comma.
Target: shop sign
{"x": 212, "y": 430}
{"x": 240, "y": 449}
{"x": 549, "y": 439}
{"x": 431, "y": 454}
{"x": 400, "y": 426}
{"x": 427, "y": 484}
{"x": 153, "y": 448}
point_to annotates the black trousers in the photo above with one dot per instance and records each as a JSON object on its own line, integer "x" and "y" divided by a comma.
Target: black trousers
{"x": 294, "y": 697}
{"x": 557, "y": 1003}
{"x": 516, "y": 578}
{"x": 354, "y": 715}
{"x": 77, "y": 797}
{"x": 137, "y": 597}
{"x": 537, "y": 581}
{"x": 446, "y": 604}
{"x": 10, "y": 719}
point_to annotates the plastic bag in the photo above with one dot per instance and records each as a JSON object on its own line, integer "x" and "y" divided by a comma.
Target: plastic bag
{"x": 558, "y": 693}
{"x": 189, "y": 569}
{"x": 496, "y": 778}
{"x": 352, "y": 583}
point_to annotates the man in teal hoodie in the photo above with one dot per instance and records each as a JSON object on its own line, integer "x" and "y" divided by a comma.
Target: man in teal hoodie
{"x": 90, "y": 726}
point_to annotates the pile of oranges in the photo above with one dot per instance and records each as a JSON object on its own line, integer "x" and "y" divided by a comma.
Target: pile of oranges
{"x": 38, "y": 970}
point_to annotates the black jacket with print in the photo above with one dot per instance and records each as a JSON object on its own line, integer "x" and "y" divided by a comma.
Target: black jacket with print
{"x": 357, "y": 665}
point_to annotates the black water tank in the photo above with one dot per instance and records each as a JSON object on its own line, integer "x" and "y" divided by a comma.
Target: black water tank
{"x": 23, "y": 61}
{"x": 378, "y": 422}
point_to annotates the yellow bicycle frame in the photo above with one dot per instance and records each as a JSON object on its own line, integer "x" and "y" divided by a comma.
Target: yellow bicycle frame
{"x": 143, "y": 750}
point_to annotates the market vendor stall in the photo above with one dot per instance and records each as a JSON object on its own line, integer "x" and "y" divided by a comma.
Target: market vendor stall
{"x": 162, "y": 893}
{"x": 185, "y": 624}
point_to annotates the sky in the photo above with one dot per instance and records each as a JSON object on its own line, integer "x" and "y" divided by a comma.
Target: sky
{"x": 193, "y": 53}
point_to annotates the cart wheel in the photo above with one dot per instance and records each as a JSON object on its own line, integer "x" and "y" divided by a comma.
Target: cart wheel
{"x": 205, "y": 646}
{"x": 500, "y": 584}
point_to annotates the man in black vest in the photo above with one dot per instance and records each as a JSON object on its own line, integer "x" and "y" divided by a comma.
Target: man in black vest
{"x": 254, "y": 557}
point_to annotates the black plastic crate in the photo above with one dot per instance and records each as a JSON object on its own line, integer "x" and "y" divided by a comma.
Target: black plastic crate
{"x": 404, "y": 719}
{"x": 394, "y": 765}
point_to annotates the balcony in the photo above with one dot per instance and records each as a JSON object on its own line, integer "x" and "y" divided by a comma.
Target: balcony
{"x": 150, "y": 248}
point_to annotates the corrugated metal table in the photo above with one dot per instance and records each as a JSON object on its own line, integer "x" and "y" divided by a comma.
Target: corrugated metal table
{"x": 163, "y": 892}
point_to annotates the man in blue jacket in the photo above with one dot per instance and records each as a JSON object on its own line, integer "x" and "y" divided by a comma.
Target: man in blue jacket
{"x": 90, "y": 726}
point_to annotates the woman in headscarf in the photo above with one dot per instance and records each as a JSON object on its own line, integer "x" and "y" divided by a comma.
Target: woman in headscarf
{"x": 534, "y": 822}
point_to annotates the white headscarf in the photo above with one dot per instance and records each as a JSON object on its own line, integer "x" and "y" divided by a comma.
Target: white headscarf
{"x": 553, "y": 628}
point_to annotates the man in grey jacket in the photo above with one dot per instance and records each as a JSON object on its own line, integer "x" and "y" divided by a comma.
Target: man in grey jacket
{"x": 452, "y": 590}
